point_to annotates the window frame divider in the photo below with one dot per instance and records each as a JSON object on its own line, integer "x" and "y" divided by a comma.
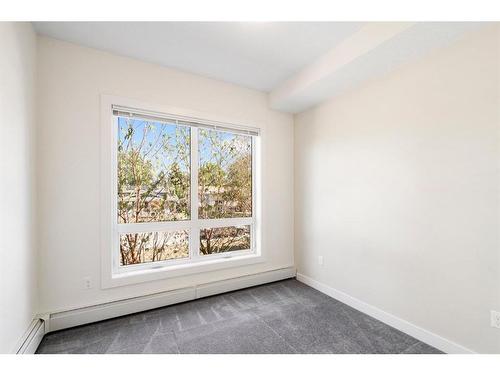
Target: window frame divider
{"x": 194, "y": 238}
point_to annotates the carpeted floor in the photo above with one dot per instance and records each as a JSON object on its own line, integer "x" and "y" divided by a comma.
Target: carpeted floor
{"x": 282, "y": 317}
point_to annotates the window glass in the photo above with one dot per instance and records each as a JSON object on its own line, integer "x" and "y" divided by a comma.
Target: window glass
{"x": 148, "y": 247}
{"x": 224, "y": 175}
{"x": 225, "y": 239}
{"x": 153, "y": 204}
{"x": 153, "y": 171}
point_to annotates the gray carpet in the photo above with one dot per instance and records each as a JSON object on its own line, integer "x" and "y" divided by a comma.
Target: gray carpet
{"x": 282, "y": 317}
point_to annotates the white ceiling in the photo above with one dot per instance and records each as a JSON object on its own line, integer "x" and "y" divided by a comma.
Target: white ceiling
{"x": 300, "y": 64}
{"x": 372, "y": 52}
{"x": 257, "y": 55}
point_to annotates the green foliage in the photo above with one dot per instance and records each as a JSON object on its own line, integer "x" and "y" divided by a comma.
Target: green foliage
{"x": 154, "y": 185}
{"x": 224, "y": 189}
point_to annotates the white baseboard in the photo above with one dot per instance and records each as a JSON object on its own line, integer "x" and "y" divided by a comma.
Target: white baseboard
{"x": 72, "y": 318}
{"x": 32, "y": 337}
{"x": 411, "y": 329}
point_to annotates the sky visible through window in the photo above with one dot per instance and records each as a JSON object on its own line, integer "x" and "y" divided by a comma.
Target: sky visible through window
{"x": 233, "y": 142}
{"x": 161, "y": 139}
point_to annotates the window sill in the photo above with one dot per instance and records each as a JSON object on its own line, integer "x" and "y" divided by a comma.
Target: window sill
{"x": 177, "y": 270}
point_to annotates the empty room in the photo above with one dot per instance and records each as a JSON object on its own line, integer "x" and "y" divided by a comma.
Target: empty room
{"x": 203, "y": 187}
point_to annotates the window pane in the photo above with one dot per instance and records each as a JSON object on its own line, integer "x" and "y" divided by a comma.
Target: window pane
{"x": 138, "y": 248}
{"x": 222, "y": 240}
{"x": 224, "y": 175}
{"x": 153, "y": 171}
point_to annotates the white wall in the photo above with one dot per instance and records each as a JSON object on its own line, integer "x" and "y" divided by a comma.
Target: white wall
{"x": 71, "y": 79}
{"x": 397, "y": 186}
{"x": 18, "y": 295}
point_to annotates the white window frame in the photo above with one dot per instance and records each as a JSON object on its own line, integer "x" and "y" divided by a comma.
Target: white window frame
{"x": 112, "y": 274}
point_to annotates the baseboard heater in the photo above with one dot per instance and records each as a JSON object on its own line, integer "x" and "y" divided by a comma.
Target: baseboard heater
{"x": 32, "y": 337}
{"x": 71, "y": 318}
